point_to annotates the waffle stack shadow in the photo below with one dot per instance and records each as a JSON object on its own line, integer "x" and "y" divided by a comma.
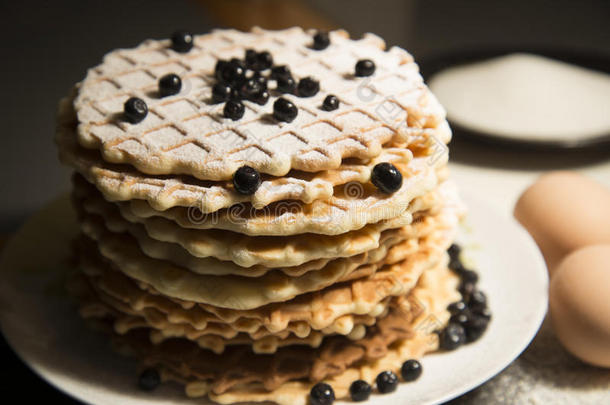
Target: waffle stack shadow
{"x": 317, "y": 275}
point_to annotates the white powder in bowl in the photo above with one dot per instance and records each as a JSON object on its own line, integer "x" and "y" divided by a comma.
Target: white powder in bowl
{"x": 527, "y": 97}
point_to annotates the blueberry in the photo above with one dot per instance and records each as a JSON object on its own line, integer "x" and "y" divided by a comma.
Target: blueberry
{"x": 182, "y": 41}
{"x": 280, "y": 71}
{"x": 411, "y": 370}
{"x": 475, "y": 327}
{"x": 232, "y": 73}
{"x": 461, "y": 319}
{"x": 308, "y": 87}
{"x": 260, "y": 79}
{"x": 322, "y": 394}
{"x": 238, "y": 62}
{"x": 284, "y": 110}
{"x": 452, "y": 337}
{"x": 258, "y": 60}
{"x": 286, "y": 84}
{"x": 320, "y": 40}
{"x": 221, "y": 92}
{"x": 234, "y": 110}
{"x": 365, "y": 67}
{"x": 135, "y": 110}
{"x": 250, "y": 58}
{"x": 454, "y": 251}
{"x": 469, "y": 276}
{"x": 477, "y": 301}
{"x": 360, "y": 391}
{"x": 386, "y": 177}
{"x": 246, "y": 180}
{"x": 261, "y": 97}
{"x": 169, "y": 85}
{"x": 456, "y": 265}
{"x": 482, "y": 312}
{"x": 149, "y": 379}
{"x": 387, "y": 382}
{"x": 457, "y": 307}
{"x": 219, "y": 68}
{"x": 249, "y": 88}
{"x": 330, "y": 103}
{"x": 466, "y": 288}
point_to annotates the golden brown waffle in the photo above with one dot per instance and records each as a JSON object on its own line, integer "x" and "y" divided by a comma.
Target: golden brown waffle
{"x": 185, "y": 134}
{"x": 240, "y": 249}
{"x": 286, "y": 377}
{"x": 119, "y": 183}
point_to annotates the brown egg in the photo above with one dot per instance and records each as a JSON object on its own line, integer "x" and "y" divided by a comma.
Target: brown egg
{"x": 564, "y": 211}
{"x": 579, "y": 302}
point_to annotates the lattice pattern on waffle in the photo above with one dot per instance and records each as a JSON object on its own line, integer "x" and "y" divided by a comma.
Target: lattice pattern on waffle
{"x": 97, "y": 303}
{"x": 272, "y": 251}
{"x": 248, "y": 292}
{"x": 286, "y": 378}
{"x": 425, "y": 222}
{"x": 161, "y": 319}
{"x": 120, "y": 183}
{"x": 141, "y": 299}
{"x": 351, "y": 207}
{"x": 359, "y": 294}
{"x": 185, "y": 134}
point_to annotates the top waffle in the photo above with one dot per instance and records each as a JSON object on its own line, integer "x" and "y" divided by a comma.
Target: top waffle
{"x": 187, "y": 134}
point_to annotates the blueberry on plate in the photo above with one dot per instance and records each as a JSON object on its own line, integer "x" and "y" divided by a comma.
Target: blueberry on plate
{"x": 322, "y": 394}
{"x": 452, "y": 337}
{"x": 411, "y": 370}
{"x": 466, "y": 288}
{"x": 469, "y": 276}
{"x": 477, "y": 301}
{"x": 387, "y": 382}
{"x": 360, "y": 391}
{"x": 460, "y": 318}
{"x": 454, "y": 251}
{"x": 475, "y": 327}
{"x": 457, "y": 307}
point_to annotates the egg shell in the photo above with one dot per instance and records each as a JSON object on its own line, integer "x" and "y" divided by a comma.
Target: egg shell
{"x": 564, "y": 211}
{"x": 579, "y": 301}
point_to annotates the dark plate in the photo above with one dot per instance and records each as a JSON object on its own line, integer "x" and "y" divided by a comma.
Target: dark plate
{"x": 429, "y": 67}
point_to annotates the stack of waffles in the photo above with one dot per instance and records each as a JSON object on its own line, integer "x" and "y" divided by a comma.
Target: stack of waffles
{"x": 318, "y": 275}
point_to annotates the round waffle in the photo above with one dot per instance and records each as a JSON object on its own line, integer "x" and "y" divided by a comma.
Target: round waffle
{"x": 287, "y": 376}
{"x": 186, "y": 134}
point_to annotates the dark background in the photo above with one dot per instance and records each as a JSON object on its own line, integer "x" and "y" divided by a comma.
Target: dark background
{"x": 48, "y": 45}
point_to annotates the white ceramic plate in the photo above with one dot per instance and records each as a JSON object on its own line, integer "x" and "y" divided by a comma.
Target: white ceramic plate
{"x": 41, "y": 324}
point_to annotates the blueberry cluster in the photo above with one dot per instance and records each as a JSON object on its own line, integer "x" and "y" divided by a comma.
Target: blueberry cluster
{"x": 360, "y": 390}
{"x": 470, "y": 316}
{"x": 246, "y": 79}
